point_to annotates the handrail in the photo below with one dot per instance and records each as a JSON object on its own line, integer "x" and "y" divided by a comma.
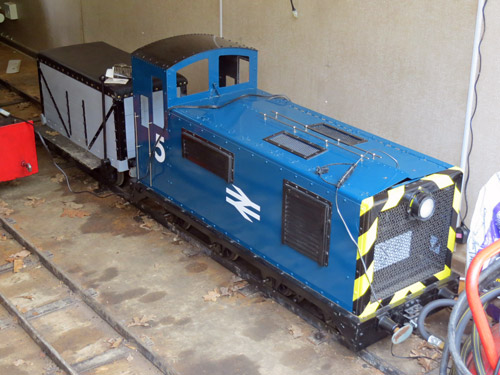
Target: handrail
{"x": 324, "y": 139}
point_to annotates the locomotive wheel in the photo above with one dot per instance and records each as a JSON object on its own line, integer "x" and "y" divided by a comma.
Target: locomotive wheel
{"x": 115, "y": 178}
{"x": 283, "y": 289}
{"x": 119, "y": 179}
{"x": 230, "y": 255}
{"x": 217, "y": 249}
{"x": 110, "y": 175}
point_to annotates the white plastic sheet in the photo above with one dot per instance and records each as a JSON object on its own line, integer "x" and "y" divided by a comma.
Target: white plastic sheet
{"x": 485, "y": 224}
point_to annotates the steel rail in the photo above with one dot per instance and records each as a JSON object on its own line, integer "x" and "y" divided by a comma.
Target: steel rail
{"x": 48, "y": 349}
{"x": 121, "y": 329}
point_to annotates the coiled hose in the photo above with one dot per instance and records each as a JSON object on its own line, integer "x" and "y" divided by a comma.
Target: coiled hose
{"x": 459, "y": 318}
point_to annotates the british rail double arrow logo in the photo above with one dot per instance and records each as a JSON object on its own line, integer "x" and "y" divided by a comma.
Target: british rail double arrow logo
{"x": 242, "y": 203}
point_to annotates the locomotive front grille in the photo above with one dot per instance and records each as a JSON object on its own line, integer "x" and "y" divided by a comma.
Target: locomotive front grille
{"x": 408, "y": 250}
{"x": 400, "y": 255}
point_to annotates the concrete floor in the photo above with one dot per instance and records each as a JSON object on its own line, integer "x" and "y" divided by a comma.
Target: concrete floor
{"x": 140, "y": 269}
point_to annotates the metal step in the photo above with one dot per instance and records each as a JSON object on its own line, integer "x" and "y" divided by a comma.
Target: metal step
{"x": 78, "y": 153}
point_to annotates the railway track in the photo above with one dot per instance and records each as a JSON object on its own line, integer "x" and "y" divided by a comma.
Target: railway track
{"x": 64, "y": 320}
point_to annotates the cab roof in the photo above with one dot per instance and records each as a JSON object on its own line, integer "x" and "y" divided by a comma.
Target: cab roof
{"x": 167, "y": 52}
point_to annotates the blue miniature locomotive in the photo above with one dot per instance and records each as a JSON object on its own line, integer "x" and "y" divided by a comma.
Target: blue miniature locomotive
{"x": 359, "y": 227}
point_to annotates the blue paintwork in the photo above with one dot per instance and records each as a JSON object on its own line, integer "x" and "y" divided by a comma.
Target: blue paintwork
{"x": 261, "y": 167}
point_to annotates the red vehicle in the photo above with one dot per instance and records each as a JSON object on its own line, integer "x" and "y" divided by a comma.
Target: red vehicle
{"x": 17, "y": 149}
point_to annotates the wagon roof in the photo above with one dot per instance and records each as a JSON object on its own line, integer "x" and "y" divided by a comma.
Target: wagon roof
{"x": 169, "y": 51}
{"x": 87, "y": 62}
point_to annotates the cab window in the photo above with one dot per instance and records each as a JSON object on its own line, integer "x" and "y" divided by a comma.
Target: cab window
{"x": 233, "y": 69}
{"x": 196, "y": 75}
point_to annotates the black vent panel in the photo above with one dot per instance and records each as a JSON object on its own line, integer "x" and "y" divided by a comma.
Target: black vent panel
{"x": 336, "y": 134}
{"x": 295, "y": 145}
{"x": 407, "y": 251}
{"x": 306, "y": 222}
{"x": 208, "y": 155}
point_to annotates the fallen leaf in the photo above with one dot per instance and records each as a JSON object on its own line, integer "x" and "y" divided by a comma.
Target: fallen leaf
{"x": 23, "y": 105}
{"x": 34, "y": 201}
{"x": 4, "y": 208}
{"x": 130, "y": 346}
{"x": 19, "y": 362}
{"x": 18, "y": 265}
{"x": 426, "y": 363}
{"x": 141, "y": 321}
{"x": 52, "y": 132}
{"x": 236, "y": 279}
{"x": 130, "y": 358}
{"x": 74, "y": 213}
{"x": 428, "y": 356}
{"x": 58, "y": 178}
{"x": 239, "y": 285}
{"x": 212, "y": 295}
{"x": 24, "y": 310}
{"x": 122, "y": 204}
{"x": 233, "y": 287}
{"x": 150, "y": 224}
{"x": 31, "y": 298}
{"x": 93, "y": 186}
{"x": 59, "y": 238}
{"x": 177, "y": 241}
{"x": 295, "y": 331}
{"x": 73, "y": 205}
{"x": 20, "y": 255}
{"x": 115, "y": 343}
{"x": 91, "y": 183}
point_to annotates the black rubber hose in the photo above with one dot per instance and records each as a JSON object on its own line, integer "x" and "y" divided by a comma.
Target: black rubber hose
{"x": 467, "y": 316}
{"x": 476, "y": 350}
{"x": 460, "y": 329}
{"x": 486, "y": 277}
{"x": 439, "y": 303}
{"x": 443, "y": 366}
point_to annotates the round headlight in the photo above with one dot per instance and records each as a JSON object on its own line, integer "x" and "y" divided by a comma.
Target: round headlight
{"x": 422, "y": 206}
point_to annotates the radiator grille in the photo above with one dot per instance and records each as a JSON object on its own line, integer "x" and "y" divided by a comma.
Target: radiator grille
{"x": 208, "y": 155}
{"x": 336, "y": 134}
{"x": 409, "y": 250}
{"x": 306, "y": 222}
{"x": 295, "y": 145}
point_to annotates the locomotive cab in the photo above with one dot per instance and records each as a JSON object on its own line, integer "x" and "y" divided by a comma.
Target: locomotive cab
{"x": 213, "y": 69}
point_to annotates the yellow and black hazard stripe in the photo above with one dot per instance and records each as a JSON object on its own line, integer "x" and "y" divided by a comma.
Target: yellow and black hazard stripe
{"x": 370, "y": 210}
